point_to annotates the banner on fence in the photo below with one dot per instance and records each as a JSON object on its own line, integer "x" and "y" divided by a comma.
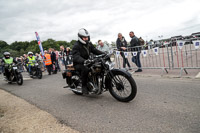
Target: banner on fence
{"x": 134, "y": 53}
{"x": 126, "y": 54}
{"x": 155, "y": 50}
{"x": 180, "y": 44}
{"x": 144, "y": 52}
{"x": 110, "y": 51}
{"x": 196, "y": 43}
{"x": 117, "y": 53}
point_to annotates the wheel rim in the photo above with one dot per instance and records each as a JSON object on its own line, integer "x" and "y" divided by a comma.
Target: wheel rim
{"x": 123, "y": 87}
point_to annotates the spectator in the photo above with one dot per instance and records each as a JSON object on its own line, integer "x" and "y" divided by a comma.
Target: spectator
{"x": 62, "y": 54}
{"x": 142, "y": 42}
{"x": 38, "y": 57}
{"x": 48, "y": 62}
{"x": 136, "y": 47}
{"x": 57, "y": 60}
{"x": 122, "y": 46}
{"x": 24, "y": 62}
{"x": 102, "y": 47}
{"x": 42, "y": 62}
{"x": 68, "y": 60}
{"x": 53, "y": 59}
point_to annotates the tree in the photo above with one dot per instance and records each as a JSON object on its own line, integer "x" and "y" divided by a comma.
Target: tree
{"x": 3, "y": 44}
{"x": 50, "y": 43}
{"x": 71, "y": 44}
{"x": 60, "y": 43}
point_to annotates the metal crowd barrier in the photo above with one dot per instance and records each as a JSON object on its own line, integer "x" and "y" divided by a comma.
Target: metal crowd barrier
{"x": 168, "y": 56}
{"x": 186, "y": 55}
{"x": 155, "y": 58}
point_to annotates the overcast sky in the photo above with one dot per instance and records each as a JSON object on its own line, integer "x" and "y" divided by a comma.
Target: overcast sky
{"x": 104, "y": 19}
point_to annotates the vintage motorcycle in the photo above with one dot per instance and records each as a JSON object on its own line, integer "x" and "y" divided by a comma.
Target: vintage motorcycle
{"x": 103, "y": 77}
{"x": 36, "y": 70}
{"x": 14, "y": 73}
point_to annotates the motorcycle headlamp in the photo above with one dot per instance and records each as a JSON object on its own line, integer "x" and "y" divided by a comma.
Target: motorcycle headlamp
{"x": 112, "y": 58}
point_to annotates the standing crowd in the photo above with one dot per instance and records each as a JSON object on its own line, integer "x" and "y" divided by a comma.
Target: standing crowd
{"x": 50, "y": 62}
{"x": 78, "y": 56}
{"x": 135, "y": 44}
{"x": 52, "y": 58}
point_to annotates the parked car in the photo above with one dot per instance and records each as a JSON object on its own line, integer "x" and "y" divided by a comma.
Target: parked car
{"x": 188, "y": 39}
{"x": 176, "y": 38}
{"x": 195, "y": 36}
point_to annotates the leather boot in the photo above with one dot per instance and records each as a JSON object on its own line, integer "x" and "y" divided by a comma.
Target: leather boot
{"x": 85, "y": 90}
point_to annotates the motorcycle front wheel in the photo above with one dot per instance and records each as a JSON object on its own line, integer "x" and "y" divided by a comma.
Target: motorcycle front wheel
{"x": 122, "y": 87}
{"x": 39, "y": 74}
{"x": 19, "y": 79}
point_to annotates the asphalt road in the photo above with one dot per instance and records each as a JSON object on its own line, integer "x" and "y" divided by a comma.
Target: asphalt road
{"x": 162, "y": 105}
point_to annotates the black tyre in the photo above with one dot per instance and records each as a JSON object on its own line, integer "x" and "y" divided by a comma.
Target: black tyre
{"x": 77, "y": 93}
{"x": 39, "y": 74}
{"x": 75, "y": 80}
{"x": 122, "y": 87}
{"x": 19, "y": 79}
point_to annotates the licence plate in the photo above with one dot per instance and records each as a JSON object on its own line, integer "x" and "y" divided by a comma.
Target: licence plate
{"x": 14, "y": 68}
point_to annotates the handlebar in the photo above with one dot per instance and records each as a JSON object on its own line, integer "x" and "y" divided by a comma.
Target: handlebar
{"x": 96, "y": 59}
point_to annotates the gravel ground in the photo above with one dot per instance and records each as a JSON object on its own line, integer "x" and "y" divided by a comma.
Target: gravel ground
{"x": 18, "y": 116}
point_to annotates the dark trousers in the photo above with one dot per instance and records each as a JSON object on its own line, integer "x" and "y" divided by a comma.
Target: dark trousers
{"x": 57, "y": 64}
{"x": 136, "y": 60}
{"x": 84, "y": 73}
{"x": 26, "y": 67}
{"x": 49, "y": 69}
{"x": 125, "y": 60}
{"x": 7, "y": 73}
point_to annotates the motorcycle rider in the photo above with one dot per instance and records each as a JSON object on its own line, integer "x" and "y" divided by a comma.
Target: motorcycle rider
{"x": 30, "y": 61}
{"x": 80, "y": 53}
{"x": 7, "y": 60}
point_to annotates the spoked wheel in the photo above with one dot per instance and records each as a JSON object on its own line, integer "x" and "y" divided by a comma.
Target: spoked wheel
{"x": 19, "y": 79}
{"x": 39, "y": 74}
{"x": 123, "y": 87}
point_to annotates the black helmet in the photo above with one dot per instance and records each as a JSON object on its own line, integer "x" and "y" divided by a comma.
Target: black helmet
{"x": 6, "y": 55}
{"x": 83, "y": 33}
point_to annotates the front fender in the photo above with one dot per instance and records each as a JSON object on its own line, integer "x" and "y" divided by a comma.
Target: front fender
{"x": 120, "y": 71}
{"x": 114, "y": 72}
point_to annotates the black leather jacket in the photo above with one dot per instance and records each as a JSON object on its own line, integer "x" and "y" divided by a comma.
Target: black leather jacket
{"x": 121, "y": 43}
{"x": 135, "y": 42}
{"x": 81, "y": 52}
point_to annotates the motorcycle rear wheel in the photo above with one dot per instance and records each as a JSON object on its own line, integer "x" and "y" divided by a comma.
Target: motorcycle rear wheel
{"x": 75, "y": 80}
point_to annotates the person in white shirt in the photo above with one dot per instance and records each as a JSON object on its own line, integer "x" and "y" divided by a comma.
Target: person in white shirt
{"x": 102, "y": 47}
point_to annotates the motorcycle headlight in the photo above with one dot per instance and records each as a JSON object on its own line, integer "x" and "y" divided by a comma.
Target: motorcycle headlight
{"x": 112, "y": 58}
